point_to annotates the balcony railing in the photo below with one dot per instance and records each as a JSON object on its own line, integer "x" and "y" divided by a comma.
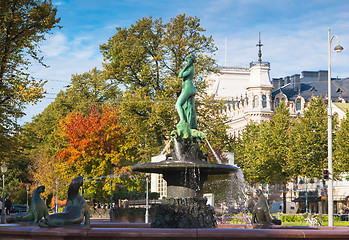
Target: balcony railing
{"x": 267, "y": 64}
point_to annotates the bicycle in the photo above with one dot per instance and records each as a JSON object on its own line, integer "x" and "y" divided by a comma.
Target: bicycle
{"x": 310, "y": 221}
{"x": 221, "y": 220}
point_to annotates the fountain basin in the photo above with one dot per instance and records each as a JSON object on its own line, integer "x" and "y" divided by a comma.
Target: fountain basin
{"x": 184, "y": 178}
{"x": 170, "y": 165}
{"x": 118, "y": 231}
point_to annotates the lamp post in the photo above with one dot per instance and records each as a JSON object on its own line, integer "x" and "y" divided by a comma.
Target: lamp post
{"x": 111, "y": 174}
{"x": 338, "y": 48}
{"x": 147, "y": 200}
{"x": 306, "y": 195}
{"x": 3, "y": 170}
{"x": 57, "y": 182}
{"x": 27, "y": 188}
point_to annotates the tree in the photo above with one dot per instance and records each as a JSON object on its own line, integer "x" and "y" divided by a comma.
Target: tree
{"x": 24, "y": 25}
{"x": 90, "y": 89}
{"x": 94, "y": 146}
{"x": 87, "y": 90}
{"x": 264, "y": 149}
{"x": 341, "y": 146}
{"x": 146, "y": 58}
{"x": 308, "y": 153}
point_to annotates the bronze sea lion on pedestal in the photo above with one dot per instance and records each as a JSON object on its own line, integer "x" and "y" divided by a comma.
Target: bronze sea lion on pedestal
{"x": 75, "y": 211}
{"x": 37, "y": 209}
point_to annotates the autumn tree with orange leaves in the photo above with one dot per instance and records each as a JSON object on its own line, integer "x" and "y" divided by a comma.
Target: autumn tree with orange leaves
{"x": 92, "y": 146}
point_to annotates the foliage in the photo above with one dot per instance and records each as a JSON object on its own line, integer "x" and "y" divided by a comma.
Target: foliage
{"x": 24, "y": 25}
{"x": 94, "y": 146}
{"x": 281, "y": 150}
{"x": 86, "y": 91}
{"x": 263, "y": 149}
{"x": 292, "y": 218}
{"x": 341, "y": 146}
{"x": 308, "y": 153}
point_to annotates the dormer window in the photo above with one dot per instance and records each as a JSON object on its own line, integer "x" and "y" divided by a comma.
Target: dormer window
{"x": 298, "y": 104}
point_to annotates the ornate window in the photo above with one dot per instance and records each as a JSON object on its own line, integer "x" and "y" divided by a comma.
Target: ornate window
{"x": 255, "y": 102}
{"x": 298, "y": 104}
{"x": 264, "y": 101}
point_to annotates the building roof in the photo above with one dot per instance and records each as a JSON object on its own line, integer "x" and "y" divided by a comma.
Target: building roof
{"x": 313, "y": 84}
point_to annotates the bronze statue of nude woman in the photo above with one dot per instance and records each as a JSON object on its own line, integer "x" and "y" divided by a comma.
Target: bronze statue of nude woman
{"x": 187, "y": 126}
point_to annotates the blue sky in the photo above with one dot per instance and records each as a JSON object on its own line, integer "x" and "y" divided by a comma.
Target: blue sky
{"x": 294, "y": 34}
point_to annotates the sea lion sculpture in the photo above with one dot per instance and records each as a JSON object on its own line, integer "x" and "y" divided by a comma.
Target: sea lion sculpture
{"x": 75, "y": 211}
{"x": 37, "y": 209}
{"x": 261, "y": 213}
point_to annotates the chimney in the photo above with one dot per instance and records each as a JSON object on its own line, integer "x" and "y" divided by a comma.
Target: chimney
{"x": 296, "y": 82}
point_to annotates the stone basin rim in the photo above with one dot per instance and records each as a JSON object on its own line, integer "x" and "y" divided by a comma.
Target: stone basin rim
{"x": 169, "y": 165}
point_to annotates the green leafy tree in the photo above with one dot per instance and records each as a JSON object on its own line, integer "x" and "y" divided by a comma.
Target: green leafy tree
{"x": 264, "y": 149}
{"x": 24, "y": 25}
{"x": 341, "y": 146}
{"x": 308, "y": 152}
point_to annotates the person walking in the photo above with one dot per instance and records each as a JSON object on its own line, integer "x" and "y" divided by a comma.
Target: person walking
{"x": 8, "y": 205}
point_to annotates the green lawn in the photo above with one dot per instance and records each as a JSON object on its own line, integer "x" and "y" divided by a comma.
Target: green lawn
{"x": 341, "y": 223}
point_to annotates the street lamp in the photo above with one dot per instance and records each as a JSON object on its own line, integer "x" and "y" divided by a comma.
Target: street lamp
{"x": 3, "y": 170}
{"x": 57, "y": 182}
{"x": 147, "y": 199}
{"x": 27, "y": 188}
{"x": 338, "y": 48}
{"x": 111, "y": 174}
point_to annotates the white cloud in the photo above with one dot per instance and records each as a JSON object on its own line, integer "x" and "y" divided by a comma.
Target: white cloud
{"x": 55, "y": 45}
{"x": 58, "y": 3}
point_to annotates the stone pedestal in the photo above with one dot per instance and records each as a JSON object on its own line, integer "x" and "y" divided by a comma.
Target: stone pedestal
{"x": 184, "y": 213}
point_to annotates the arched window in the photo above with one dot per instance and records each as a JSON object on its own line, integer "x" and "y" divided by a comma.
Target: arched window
{"x": 277, "y": 101}
{"x": 264, "y": 101}
{"x": 298, "y": 104}
{"x": 255, "y": 102}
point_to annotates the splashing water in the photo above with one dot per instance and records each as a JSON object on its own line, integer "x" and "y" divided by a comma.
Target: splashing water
{"x": 239, "y": 189}
{"x": 214, "y": 153}
{"x": 235, "y": 194}
{"x": 177, "y": 150}
{"x": 199, "y": 178}
{"x": 239, "y": 180}
{"x": 164, "y": 150}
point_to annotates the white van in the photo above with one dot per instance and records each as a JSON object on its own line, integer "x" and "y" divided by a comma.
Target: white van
{"x": 278, "y": 207}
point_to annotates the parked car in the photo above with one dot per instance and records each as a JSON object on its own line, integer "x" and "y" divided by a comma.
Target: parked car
{"x": 279, "y": 207}
{"x": 17, "y": 208}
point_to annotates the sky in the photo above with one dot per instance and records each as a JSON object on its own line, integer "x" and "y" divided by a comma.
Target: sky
{"x": 294, "y": 34}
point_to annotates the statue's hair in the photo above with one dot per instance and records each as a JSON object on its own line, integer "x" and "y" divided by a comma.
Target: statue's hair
{"x": 191, "y": 56}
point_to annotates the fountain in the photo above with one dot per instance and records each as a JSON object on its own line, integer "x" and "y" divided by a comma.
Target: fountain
{"x": 185, "y": 169}
{"x": 184, "y": 213}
